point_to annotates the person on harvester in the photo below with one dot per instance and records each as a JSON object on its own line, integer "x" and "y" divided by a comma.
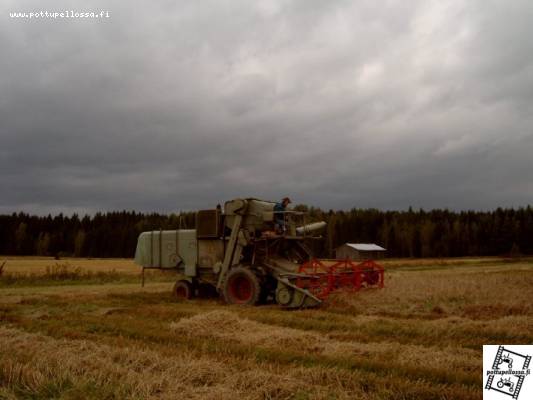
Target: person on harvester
{"x": 279, "y": 216}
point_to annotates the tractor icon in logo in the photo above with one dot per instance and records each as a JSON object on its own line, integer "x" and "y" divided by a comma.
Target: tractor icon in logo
{"x": 505, "y": 359}
{"x": 506, "y": 382}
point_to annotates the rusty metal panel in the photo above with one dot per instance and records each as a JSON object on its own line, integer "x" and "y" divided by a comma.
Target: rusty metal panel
{"x": 210, "y": 252}
{"x": 207, "y": 223}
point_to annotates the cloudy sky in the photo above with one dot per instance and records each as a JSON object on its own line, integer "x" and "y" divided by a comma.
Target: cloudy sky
{"x": 170, "y": 105}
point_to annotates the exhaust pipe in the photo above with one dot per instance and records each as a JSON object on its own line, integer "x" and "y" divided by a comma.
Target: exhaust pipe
{"x": 310, "y": 228}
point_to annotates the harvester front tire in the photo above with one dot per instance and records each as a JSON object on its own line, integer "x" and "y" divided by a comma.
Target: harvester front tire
{"x": 183, "y": 290}
{"x": 284, "y": 295}
{"x": 242, "y": 287}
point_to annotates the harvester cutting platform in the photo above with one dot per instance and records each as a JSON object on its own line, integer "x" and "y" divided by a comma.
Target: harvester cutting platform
{"x": 241, "y": 254}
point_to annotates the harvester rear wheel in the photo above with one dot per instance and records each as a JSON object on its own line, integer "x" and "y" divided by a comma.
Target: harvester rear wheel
{"x": 183, "y": 290}
{"x": 242, "y": 287}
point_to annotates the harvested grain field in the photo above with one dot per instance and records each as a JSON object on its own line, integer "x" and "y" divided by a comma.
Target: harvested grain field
{"x": 79, "y": 330}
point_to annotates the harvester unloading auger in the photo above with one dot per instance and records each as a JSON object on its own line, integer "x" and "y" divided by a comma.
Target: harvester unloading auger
{"x": 239, "y": 253}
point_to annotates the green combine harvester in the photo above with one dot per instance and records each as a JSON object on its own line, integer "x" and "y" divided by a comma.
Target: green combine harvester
{"x": 239, "y": 252}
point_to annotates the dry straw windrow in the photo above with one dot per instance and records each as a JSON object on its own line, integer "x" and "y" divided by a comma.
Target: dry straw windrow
{"x": 226, "y": 325}
{"x": 130, "y": 372}
{"x": 43, "y": 367}
{"x": 418, "y": 338}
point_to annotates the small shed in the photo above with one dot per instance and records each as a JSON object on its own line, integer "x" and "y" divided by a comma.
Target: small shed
{"x": 359, "y": 251}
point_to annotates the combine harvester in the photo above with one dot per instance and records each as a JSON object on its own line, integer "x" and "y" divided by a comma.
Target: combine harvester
{"x": 240, "y": 254}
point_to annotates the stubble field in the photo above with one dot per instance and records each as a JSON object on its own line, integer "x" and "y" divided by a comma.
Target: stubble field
{"x": 77, "y": 328}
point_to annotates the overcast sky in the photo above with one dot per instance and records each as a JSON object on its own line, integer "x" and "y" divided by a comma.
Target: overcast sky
{"x": 170, "y": 105}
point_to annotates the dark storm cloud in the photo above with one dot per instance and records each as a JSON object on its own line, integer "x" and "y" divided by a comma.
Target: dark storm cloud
{"x": 181, "y": 105}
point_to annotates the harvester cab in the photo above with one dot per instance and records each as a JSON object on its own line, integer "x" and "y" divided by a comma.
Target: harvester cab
{"x": 239, "y": 252}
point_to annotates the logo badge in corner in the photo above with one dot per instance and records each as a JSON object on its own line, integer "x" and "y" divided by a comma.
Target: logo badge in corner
{"x": 506, "y": 372}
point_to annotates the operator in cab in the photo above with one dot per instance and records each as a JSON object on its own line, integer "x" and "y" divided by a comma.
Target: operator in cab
{"x": 279, "y": 216}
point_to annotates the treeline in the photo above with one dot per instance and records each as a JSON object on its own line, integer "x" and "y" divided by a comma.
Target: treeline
{"x": 437, "y": 233}
{"x": 111, "y": 234}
